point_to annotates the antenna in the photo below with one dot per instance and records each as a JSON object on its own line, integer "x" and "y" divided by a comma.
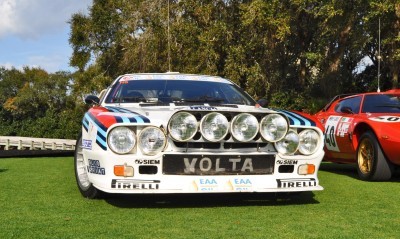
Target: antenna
{"x": 169, "y": 46}
{"x": 379, "y": 54}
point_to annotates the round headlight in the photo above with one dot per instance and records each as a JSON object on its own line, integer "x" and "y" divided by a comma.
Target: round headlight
{"x": 121, "y": 140}
{"x": 214, "y": 126}
{"x": 244, "y": 127}
{"x": 309, "y": 141}
{"x": 151, "y": 140}
{"x": 182, "y": 126}
{"x": 273, "y": 127}
{"x": 289, "y": 144}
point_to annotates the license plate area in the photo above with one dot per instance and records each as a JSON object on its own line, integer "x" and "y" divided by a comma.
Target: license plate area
{"x": 177, "y": 164}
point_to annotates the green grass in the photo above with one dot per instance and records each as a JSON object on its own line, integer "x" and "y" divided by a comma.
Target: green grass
{"x": 39, "y": 199}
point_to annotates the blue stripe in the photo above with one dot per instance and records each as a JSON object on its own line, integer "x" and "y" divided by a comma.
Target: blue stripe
{"x": 118, "y": 119}
{"x": 101, "y": 130}
{"x": 136, "y": 118}
{"x": 85, "y": 124}
{"x": 100, "y": 142}
{"x": 296, "y": 119}
{"x": 299, "y": 118}
{"x": 125, "y": 120}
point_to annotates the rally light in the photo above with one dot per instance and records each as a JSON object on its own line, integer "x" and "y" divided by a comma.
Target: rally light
{"x": 123, "y": 170}
{"x": 305, "y": 169}
{"x": 273, "y": 127}
{"x": 244, "y": 127}
{"x": 309, "y": 141}
{"x": 152, "y": 140}
{"x": 121, "y": 140}
{"x": 289, "y": 144}
{"x": 214, "y": 126}
{"x": 182, "y": 126}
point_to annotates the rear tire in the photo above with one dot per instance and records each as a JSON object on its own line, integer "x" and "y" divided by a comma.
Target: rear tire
{"x": 81, "y": 174}
{"x": 372, "y": 163}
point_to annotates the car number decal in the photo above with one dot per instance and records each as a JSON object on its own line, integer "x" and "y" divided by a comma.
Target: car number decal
{"x": 387, "y": 119}
{"x": 330, "y": 132}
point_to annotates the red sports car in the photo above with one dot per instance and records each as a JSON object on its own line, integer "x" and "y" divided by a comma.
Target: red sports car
{"x": 364, "y": 129}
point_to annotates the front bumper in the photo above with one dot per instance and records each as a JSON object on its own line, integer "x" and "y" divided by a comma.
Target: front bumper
{"x": 284, "y": 178}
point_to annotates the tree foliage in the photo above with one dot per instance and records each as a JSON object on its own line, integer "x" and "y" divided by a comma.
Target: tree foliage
{"x": 38, "y": 104}
{"x": 266, "y": 47}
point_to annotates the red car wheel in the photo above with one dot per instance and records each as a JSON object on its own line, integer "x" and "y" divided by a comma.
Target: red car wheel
{"x": 372, "y": 163}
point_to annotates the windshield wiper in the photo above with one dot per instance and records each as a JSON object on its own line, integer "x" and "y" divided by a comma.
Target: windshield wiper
{"x": 203, "y": 99}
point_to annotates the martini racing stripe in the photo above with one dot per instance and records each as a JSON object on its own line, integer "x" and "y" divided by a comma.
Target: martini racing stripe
{"x": 101, "y": 130}
{"x": 85, "y": 123}
{"x": 296, "y": 119}
{"x": 135, "y": 118}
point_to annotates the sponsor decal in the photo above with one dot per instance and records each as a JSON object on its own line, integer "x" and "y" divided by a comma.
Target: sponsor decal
{"x": 125, "y": 79}
{"x": 241, "y": 184}
{"x": 286, "y": 162}
{"x": 206, "y": 164}
{"x": 386, "y": 119}
{"x": 343, "y": 126}
{"x": 135, "y": 184}
{"x": 202, "y": 107}
{"x": 147, "y": 161}
{"x": 95, "y": 168}
{"x": 206, "y": 184}
{"x": 296, "y": 183}
{"x": 87, "y": 144}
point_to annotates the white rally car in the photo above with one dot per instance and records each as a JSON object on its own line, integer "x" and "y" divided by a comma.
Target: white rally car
{"x": 183, "y": 133}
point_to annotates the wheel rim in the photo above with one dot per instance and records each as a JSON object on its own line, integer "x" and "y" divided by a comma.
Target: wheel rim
{"x": 365, "y": 156}
{"x": 81, "y": 172}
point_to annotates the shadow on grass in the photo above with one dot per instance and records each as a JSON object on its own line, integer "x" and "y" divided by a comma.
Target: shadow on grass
{"x": 209, "y": 200}
{"x": 350, "y": 170}
{"x": 3, "y": 170}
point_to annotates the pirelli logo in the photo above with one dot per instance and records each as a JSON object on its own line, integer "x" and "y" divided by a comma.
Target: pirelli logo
{"x": 135, "y": 184}
{"x": 296, "y": 183}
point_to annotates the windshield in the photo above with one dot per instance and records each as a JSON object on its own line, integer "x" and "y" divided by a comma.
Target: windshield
{"x": 382, "y": 103}
{"x": 174, "y": 91}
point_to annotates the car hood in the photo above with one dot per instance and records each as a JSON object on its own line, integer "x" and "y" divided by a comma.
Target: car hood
{"x": 385, "y": 123}
{"x": 159, "y": 115}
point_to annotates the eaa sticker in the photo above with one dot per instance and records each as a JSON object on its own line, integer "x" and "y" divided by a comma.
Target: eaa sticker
{"x": 206, "y": 184}
{"x": 241, "y": 184}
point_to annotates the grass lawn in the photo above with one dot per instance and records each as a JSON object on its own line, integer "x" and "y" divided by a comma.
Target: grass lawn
{"x": 39, "y": 199}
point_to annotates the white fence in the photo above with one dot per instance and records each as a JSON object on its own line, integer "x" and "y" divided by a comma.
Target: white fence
{"x": 27, "y": 143}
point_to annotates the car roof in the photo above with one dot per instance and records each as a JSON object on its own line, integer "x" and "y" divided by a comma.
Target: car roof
{"x": 349, "y": 95}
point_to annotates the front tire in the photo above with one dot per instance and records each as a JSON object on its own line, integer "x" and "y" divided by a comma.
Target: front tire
{"x": 372, "y": 163}
{"x": 81, "y": 174}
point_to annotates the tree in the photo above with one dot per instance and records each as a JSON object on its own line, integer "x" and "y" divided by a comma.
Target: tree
{"x": 266, "y": 47}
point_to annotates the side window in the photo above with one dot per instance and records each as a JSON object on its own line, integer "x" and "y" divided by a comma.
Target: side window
{"x": 349, "y": 105}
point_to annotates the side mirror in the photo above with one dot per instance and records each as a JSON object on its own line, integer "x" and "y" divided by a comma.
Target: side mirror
{"x": 346, "y": 110}
{"x": 92, "y": 100}
{"x": 262, "y": 103}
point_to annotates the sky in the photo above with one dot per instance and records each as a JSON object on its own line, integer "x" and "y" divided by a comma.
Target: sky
{"x": 35, "y": 33}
